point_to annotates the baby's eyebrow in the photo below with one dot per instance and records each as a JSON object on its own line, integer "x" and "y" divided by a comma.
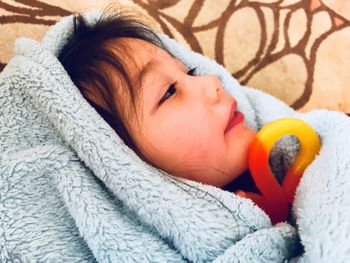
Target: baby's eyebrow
{"x": 150, "y": 65}
{"x": 182, "y": 65}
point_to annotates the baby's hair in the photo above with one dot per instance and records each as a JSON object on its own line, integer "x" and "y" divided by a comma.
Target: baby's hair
{"x": 89, "y": 60}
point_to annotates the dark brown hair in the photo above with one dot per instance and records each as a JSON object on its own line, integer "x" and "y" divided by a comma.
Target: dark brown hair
{"x": 89, "y": 61}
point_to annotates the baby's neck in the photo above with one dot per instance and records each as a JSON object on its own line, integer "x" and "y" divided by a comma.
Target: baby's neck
{"x": 244, "y": 182}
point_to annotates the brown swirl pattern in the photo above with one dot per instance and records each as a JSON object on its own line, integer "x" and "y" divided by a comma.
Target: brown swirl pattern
{"x": 296, "y": 50}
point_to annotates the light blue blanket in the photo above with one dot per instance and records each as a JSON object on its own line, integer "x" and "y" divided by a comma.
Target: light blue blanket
{"x": 71, "y": 191}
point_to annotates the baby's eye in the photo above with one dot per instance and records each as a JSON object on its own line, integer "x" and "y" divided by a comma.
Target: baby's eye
{"x": 191, "y": 71}
{"x": 172, "y": 88}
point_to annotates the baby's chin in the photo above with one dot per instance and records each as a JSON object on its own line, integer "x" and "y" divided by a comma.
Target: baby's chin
{"x": 249, "y": 133}
{"x": 249, "y": 129}
{"x": 243, "y": 129}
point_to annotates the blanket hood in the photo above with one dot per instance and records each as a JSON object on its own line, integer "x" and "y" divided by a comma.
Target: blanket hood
{"x": 95, "y": 200}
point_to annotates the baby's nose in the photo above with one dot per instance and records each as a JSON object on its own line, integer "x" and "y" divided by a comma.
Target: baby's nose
{"x": 212, "y": 88}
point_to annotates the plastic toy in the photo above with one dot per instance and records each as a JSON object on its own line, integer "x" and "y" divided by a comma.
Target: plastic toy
{"x": 276, "y": 199}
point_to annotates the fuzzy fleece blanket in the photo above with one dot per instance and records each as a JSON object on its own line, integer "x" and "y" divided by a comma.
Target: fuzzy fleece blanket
{"x": 71, "y": 191}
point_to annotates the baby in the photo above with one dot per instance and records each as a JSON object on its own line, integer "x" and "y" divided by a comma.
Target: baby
{"x": 184, "y": 124}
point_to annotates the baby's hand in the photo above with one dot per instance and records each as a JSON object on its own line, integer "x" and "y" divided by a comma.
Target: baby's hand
{"x": 240, "y": 193}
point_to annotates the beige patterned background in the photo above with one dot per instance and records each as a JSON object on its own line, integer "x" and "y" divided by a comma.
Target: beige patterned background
{"x": 297, "y": 50}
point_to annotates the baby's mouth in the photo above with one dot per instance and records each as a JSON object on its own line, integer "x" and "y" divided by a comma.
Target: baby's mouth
{"x": 237, "y": 118}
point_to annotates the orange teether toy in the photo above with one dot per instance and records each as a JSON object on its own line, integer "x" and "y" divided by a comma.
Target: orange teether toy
{"x": 276, "y": 198}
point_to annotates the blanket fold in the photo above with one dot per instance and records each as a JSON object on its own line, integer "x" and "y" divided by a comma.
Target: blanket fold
{"x": 72, "y": 191}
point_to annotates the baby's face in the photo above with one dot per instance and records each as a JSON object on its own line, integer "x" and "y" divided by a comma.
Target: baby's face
{"x": 183, "y": 120}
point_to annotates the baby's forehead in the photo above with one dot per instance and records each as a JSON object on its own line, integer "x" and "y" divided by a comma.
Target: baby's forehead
{"x": 138, "y": 53}
{"x": 141, "y": 58}
{"x": 149, "y": 53}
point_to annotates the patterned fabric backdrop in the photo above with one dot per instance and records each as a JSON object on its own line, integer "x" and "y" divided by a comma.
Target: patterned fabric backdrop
{"x": 296, "y": 50}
